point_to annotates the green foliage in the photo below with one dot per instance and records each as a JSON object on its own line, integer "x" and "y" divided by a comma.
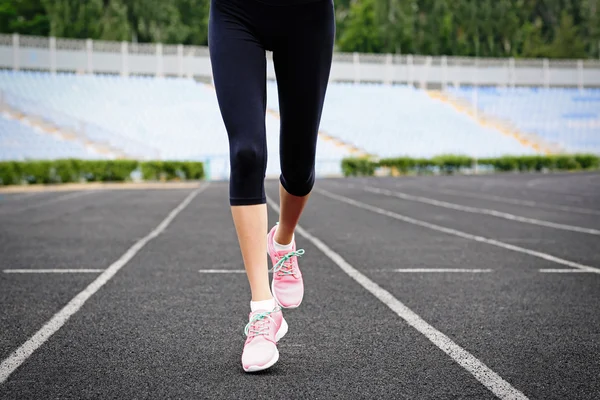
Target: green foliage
{"x": 486, "y": 28}
{"x": 118, "y": 170}
{"x": 193, "y": 170}
{"x": 74, "y": 18}
{"x": 151, "y": 170}
{"x": 567, "y": 43}
{"x": 172, "y": 170}
{"x": 361, "y": 33}
{"x": 400, "y": 164}
{"x": 38, "y": 172}
{"x": 587, "y": 161}
{"x": 9, "y": 173}
{"x": 451, "y": 163}
{"x": 358, "y": 167}
{"x": 448, "y": 164}
{"x": 68, "y": 170}
{"x": 565, "y": 163}
{"x": 25, "y": 17}
{"x": 72, "y": 170}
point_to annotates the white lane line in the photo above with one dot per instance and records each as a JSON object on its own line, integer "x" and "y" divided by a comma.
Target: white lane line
{"x": 51, "y": 201}
{"x": 458, "y": 233}
{"x": 222, "y": 271}
{"x": 444, "y": 270}
{"x": 511, "y": 200}
{"x": 485, "y": 211}
{"x": 51, "y": 271}
{"x": 534, "y": 182}
{"x": 478, "y": 369}
{"x": 563, "y": 271}
{"x": 553, "y": 180}
{"x": 10, "y": 364}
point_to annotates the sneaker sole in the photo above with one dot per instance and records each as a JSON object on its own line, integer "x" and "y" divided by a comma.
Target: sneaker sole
{"x": 282, "y": 330}
{"x": 280, "y": 333}
{"x": 256, "y": 368}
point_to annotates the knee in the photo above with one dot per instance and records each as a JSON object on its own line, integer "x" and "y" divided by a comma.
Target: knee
{"x": 248, "y": 165}
{"x": 247, "y": 159}
{"x": 298, "y": 183}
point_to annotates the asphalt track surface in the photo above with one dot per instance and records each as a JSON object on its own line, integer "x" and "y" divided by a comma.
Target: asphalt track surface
{"x": 159, "y": 328}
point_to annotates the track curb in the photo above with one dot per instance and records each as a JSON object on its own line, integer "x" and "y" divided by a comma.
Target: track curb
{"x": 100, "y": 186}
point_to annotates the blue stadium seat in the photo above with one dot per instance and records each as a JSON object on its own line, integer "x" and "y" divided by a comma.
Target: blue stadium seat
{"x": 564, "y": 116}
{"x": 174, "y": 118}
{"x": 391, "y": 121}
{"x": 19, "y": 141}
{"x": 178, "y": 118}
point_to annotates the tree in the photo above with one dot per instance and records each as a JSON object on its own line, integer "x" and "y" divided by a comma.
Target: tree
{"x": 114, "y": 24}
{"x": 395, "y": 19}
{"x": 487, "y": 28}
{"x": 74, "y": 18}
{"x": 533, "y": 43}
{"x": 26, "y": 17}
{"x": 361, "y": 32}
{"x": 567, "y": 43}
{"x": 194, "y": 14}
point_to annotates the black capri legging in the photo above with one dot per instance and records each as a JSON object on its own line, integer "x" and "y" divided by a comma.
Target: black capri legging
{"x": 300, "y": 33}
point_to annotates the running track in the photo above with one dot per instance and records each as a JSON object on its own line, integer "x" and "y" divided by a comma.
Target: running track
{"x": 416, "y": 288}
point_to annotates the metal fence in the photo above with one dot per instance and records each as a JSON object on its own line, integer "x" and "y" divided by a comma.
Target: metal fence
{"x": 19, "y": 52}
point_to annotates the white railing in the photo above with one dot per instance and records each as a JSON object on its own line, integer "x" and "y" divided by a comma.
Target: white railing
{"x": 19, "y": 52}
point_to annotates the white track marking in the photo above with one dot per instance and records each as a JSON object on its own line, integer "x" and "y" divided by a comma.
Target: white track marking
{"x": 21, "y": 354}
{"x": 510, "y": 200}
{"x": 444, "y": 270}
{"x": 484, "y": 211}
{"x": 534, "y": 182}
{"x": 51, "y": 271}
{"x": 552, "y": 180}
{"x": 50, "y": 201}
{"x": 458, "y": 233}
{"x": 478, "y": 369}
{"x": 562, "y": 271}
{"x": 222, "y": 271}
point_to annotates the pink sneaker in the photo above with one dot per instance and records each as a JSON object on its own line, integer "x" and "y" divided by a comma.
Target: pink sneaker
{"x": 287, "y": 286}
{"x": 263, "y": 332}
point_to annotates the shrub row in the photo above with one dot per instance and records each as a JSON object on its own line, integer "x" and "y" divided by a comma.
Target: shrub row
{"x": 73, "y": 170}
{"x": 171, "y": 170}
{"x": 449, "y": 164}
{"x": 565, "y": 162}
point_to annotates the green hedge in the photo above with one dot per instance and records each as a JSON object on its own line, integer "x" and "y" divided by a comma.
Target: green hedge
{"x": 169, "y": 170}
{"x": 73, "y": 170}
{"x": 358, "y": 167}
{"x": 451, "y": 163}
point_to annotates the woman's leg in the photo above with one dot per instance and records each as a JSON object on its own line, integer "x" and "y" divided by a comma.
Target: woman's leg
{"x": 290, "y": 209}
{"x": 302, "y": 64}
{"x": 239, "y": 70}
{"x": 251, "y": 225}
{"x": 302, "y": 58}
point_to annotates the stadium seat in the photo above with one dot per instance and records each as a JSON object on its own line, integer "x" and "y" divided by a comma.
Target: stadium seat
{"x": 391, "y": 121}
{"x": 173, "y": 118}
{"x": 146, "y": 117}
{"x": 567, "y": 117}
{"x": 20, "y": 142}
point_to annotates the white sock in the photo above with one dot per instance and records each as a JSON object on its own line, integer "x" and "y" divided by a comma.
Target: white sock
{"x": 283, "y": 247}
{"x": 263, "y": 305}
